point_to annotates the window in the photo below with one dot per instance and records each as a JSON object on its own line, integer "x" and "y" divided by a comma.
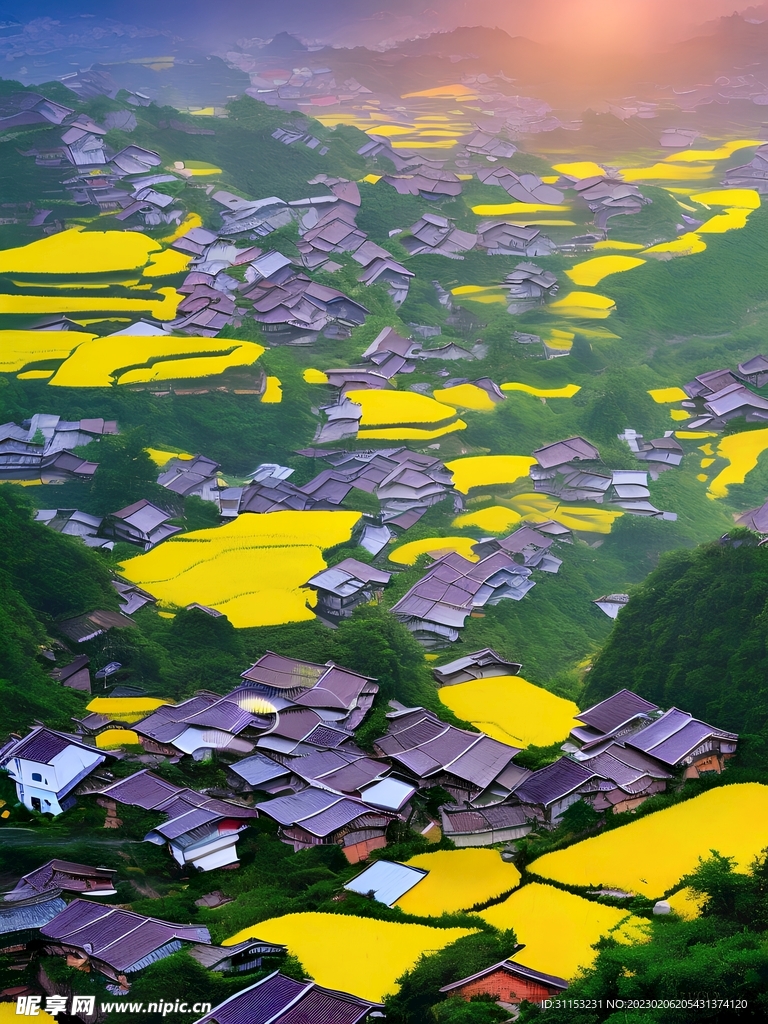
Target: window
{"x": 37, "y": 777}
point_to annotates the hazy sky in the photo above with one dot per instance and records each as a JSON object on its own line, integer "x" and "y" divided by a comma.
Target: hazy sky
{"x": 625, "y": 24}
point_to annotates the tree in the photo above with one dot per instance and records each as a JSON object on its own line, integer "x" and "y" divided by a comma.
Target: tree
{"x": 420, "y": 987}
{"x": 126, "y": 473}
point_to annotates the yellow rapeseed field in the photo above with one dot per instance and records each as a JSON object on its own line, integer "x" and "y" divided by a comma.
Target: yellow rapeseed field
{"x": 389, "y": 408}
{"x": 161, "y": 457}
{"x": 686, "y": 245}
{"x": 163, "y": 308}
{"x": 80, "y": 252}
{"x": 354, "y": 954}
{"x": 721, "y": 153}
{"x": 668, "y": 172}
{"x": 559, "y": 929}
{"x": 519, "y": 209}
{"x": 410, "y": 433}
{"x": 312, "y": 376}
{"x": 110, "y": 739}
{"x": 664, "y": 395}
{"x": 466, "y": 396}
{"x": 538, "y": 508}
{"x": 581, "y": 169}
{"x": 252, "y": 569}
{"x": 731, "y": 219}
{"x": 407, "y": 554}
{"x": 273, "y": 392}
{"x": 742, "y": 451}
{"x": 592, "y": 272}
{"x": 512, "y": 710}
{"x": 457, "y": 880}
{"x": 731, "y": 819}
{"x": 584, "y": 304}
{"x": 742, "y": 198}
{"x": 100, "y": 362}
{"x": 19, "y": 348}
{"x": 496, "y": 519}
{"x": 568, "y": 391}
{"x": 686, "y": 903}
{"x": 125, "y": 709}
{"x": 169, "y": 261}
{"x": 486, "y": 470}
{"x": 612, "y": 243}
{"x": 679, "y": 415}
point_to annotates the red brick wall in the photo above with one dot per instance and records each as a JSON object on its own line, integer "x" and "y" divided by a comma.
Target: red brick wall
{"x": 504, "y": 987}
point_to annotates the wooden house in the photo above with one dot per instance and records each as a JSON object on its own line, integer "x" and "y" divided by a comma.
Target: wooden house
{"x": 508, "y": 983}
{"x": 484, "y": 664}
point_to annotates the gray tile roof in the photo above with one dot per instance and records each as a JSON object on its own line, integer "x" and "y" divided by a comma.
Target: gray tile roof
{"x": 615, "y": 711}
{"x": 277, "y": 999}
{"x": 554, "y": 782}
{"x": 117, "y": 937}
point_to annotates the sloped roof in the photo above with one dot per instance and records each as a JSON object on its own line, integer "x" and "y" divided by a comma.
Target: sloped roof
{"x": 673, "y": 736}
{"x": 118, "y": 937}
{"x": 560, "y": 452}
{"x": 553, "y": 782}
{"x": 277, "y": 999}
{"x": 387, "y": 880}
{"x": 617, "y": 710}
{"x": 517, "y": 971}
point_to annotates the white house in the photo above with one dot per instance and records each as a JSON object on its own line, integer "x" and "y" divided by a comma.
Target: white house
{"x": 46, "y": 766}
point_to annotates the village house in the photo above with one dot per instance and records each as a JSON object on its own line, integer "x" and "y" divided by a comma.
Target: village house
{"x": 484, "y": 664}
{"x": 617, "y": 716}
{"x": 430, "y": 752}
{"x": 339, "y": 695}
{"x": 508, "y": 983}
{"x": 672, "y": 740}
{"x": 21, "y": 920}
{"x": 199, "y": 831}
{"x": 529, "y": 286}
{"x": 486, "y": 826}
{"x": 636, "y": 776}
{"x": 526, "y": 545}
{"x": 141, "y": 523}
{"x": 682, "y": 742}
{"x": 82, "y": 628}
{"x": 260, "y": 773}
{"x": 278, "y": 999}
{"x": 525, "y": 188}
{"x": 47, "y": 766}
{"x": 552, "y": 790}
{"x": 315, "y": 817}
{"x": 299, "y": 730}
{"x": 754, "y": 371}
{"x": 437, "y": 235}
{"x": 113, "y": 941}
{"x": 75, "y": 675}
{"x": 64, "y": 876}
{"x": 502, "y": 238}
{"x": 611, "y": 604}
{"x": 342, "y": 587}
{"x": 755, "y": 519}
{"x": 436, "y": 608}
{"x": 202, "y": 724}
{"x": 242, "y": 956}
{"x": 197, "y": 476}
